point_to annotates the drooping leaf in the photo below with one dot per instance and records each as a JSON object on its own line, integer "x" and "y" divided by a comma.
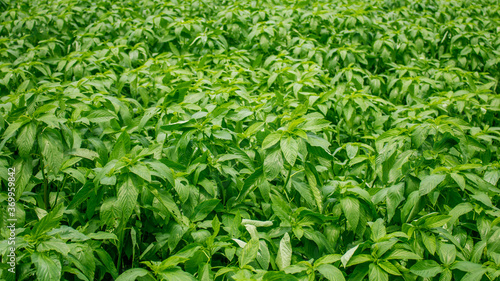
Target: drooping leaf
{"x": 351, "y": 209}
{"x": 284, "y": 256}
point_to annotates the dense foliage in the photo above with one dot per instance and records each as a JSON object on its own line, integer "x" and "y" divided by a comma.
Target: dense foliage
{"x": 251, "y": 140}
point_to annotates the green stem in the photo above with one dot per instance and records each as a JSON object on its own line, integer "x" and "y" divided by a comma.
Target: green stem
{"x": 45, "y": 186}
{"x": 120, "y": 245}
{"x": 288, "y": 176}
{"x": 286, "y": 182}
{"x": 59, "y": 189}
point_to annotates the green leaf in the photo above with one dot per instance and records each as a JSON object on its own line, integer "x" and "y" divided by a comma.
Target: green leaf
{"x": 215, "y": 225}
{"x": 426, "y": 268}
{"x": 430, "y": 241}
{"x": 284, "y": 256}
{"x": 150, "y": 112}
{"x": 316, "y": 141}
{"x": 248, "y": 184}
{"x": 467, "y": 266}
{"x": 249, "y": 252}
{"x": 82, "y": 195}
{"x": 56, "y": 245}
{"x": 377, "y": 274}
{"x": 223, "y": 135}
{"x": 257, "y": 223}
{"x": 411, "y": 207}
{"x": 51, "y": 147}
{"x": 84, "y": 153}
{"x": 163, "y": 171}
{"x": 254, "y": 128}
{"x": 389, "y": 268}
{"x": 121, "y": 147}
{"x": 132, "y": 274}
{"x": 127, "y": 198}
{"x": 351, "y": 150}
{"x": 348, "y": 255}
{"x": 24, "y": 171}
{"x": 48, "y": 222}
{"x": 48, "y": 267}
{"x": 278, "y": 276}
{"x": 273, "y": 164}
{"x": 330, "y": 272}
{"x": 263, "y": 257}
{"x": 100, "y": 115}
{"x": 483, "y": 198}
{"x": 419, "y": 135}
{"x": 26, "y": 138}
{"x": 142, "y": 171}
{"x": 182, "y": 256}
{"x": 271, "y": 140}
{"x": 107, "y": 262}
{"x": 271, "y": 79}
{"x": 13, "y": 127}
{"x": 457, "y": 211}
{"x": 317, "y": 197}
{"x": 327, "y": 259}
{"x": 165, "y": 198}
{"x": 378, "y": 230}
{"x": 400, "y": 254}
{"x": 476, "y": 275}
{"x": 395, "y": 195}
{"x": 83, "y": 258}
{"x": 459, "y": 179}
{"x": 447, "y": 253}
{"x": 290, "y": 149}
{"x": 204, "y": 273}
{"x": 429, "y": 183}
{"x": 51, "y": 120}
{"x": 351, "y": 209}
{"x": 101, "y": 235}
{"x": 446, "y": 275}
{"x": 296, "y": 268}
{"x": 68, "y": 233}
{"x": 202, "y": 210}
{"x": 380, "y": 248}
{"x": 436, "y": 221}
{"x": 492, "y": 176}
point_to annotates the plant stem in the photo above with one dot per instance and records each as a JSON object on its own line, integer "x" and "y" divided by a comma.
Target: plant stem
{"x": 288, "y": 176}
{"x": 59, "y": 189}
{"x": 286, "y": 182}
{"x": 45, "y": 186}
{"x": 120, "y": 245}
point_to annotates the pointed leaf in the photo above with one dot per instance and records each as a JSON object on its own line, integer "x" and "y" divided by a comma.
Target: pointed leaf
{"x": 284, "y": 257}
{"x": 426, "y": 268}
{"x": 330, "y": 272}
{"x": 290, "y": 149}
{"x": 430, "y": 182}
{"x": 48, "y": 267}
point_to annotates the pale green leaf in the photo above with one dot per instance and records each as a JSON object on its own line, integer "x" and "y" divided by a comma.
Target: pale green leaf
{"x": 284, "y": 257}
